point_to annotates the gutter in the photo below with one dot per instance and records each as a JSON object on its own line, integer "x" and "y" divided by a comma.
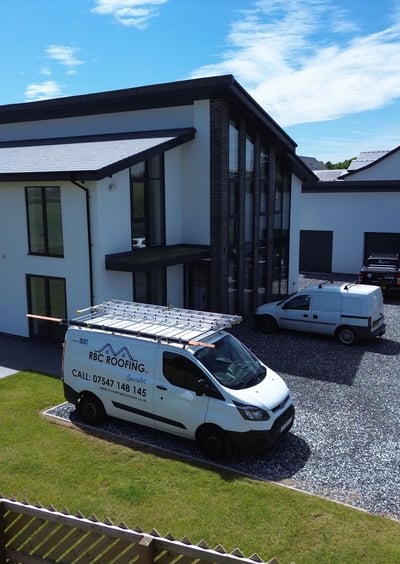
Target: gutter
{"x": 89, "y": 239}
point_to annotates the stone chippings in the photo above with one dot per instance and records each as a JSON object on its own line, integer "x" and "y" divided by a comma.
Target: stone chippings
{"x": 345, "y": 442}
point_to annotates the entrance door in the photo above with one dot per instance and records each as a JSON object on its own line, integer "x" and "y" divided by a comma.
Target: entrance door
{"x": 316, "y": 251}
{"x": 46, "y": 296}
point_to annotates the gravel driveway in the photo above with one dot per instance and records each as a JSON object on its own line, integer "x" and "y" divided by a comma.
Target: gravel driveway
{"x": 345, "y": 442}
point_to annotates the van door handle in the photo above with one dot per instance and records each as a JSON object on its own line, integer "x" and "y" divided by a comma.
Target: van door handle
{"x": 315, "y": 316}
{"x": 161, "y": 387}
{"x": 305, "y": 314}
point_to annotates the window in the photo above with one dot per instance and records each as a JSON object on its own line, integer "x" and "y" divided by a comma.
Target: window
{"x": 233, "y": 219}
{"x": 299, "y": 302}
{"x": 45, "y": 233}
{"x": 147, "y": 203}
{"x": 47, "y": 297}
{"x": 181, "y": 372}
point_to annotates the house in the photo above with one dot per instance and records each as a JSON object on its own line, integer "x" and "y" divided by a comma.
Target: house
{"x": 348, "y": 214}
{"x": 185, "y": 193}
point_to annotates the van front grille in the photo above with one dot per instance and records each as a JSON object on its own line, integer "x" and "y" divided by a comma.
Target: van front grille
{"x": 280, "y": 405}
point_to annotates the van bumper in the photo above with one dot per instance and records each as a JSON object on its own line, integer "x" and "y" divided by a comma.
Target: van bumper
{"x": 368, "y": 333}
{"x": 262, "y": 440}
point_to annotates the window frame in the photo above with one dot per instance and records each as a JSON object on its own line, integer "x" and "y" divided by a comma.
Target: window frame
{"x": 49, "y": 237}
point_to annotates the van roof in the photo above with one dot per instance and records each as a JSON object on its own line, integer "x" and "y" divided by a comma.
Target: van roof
{"x": 165, "y": 323}
{"x": 346, "y": 288}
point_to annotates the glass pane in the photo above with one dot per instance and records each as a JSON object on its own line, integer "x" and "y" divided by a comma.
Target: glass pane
{"x": 54, "y": 221}
{"x": 138, "y": 200}
{"x": 156, "y": 224}
{"x": 57, "y": 298}
{"x": 138, "y": 170}
{"x": 155, "y": 167}
{"x": 233, "y": 149}
{"x": 35, "y": 220}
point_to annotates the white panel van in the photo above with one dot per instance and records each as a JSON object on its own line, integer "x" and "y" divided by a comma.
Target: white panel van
{"x": 347, "y": 311}
{"x": 177, "y": 371}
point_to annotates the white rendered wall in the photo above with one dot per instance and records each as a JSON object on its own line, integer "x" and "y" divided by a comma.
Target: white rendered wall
{"x": 16, "y": 263}
{"x": 110, "y": 210}
{"x": 349, "y": 216}
{"x": 141, "y": 120}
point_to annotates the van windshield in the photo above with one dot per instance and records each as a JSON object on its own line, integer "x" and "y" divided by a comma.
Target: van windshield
{"x": 231, "y": 363}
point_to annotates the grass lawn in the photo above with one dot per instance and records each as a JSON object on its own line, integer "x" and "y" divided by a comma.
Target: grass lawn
{"x": 48, "y": 463}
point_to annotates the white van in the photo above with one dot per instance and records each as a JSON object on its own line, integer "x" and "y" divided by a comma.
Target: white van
{"x": 177, "y": 371}
{"x": 347, "y": 311}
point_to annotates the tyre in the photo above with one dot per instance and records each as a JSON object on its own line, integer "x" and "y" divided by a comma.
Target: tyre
{"x": 91, "y": 409}
{"x": 214, "y": 443}
{"x": 346, "y": 336}
{"x": 267, "y": 324}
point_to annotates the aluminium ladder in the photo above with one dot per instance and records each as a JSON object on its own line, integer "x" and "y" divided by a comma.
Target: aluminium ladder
{"x": 167, "y": 323}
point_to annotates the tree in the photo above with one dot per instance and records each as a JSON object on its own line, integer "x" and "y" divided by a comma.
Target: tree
{"x": 344, "y": 164}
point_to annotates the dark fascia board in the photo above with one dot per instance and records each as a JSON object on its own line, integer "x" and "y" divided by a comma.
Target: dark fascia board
{"x": 169, "y": 94}
{"x": 181, "y": 132}
{"x": 342, "y": 186}
{"x": 156, "y": 257}
{"x": 301, "y": 170}
{"x": 181, "y": 136}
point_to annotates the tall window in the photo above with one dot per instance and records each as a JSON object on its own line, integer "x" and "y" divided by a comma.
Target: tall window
{"x": 249, "y": 226}
{"x": 233, "y": 211}
{"x": 148, "y": 226}
{"x": 47, "y": 297}
{"x": 147, "y": 201}
{"x": 281, "y": 232}
{"x": 263, "y": 226}
{"x": 45, "y": 233}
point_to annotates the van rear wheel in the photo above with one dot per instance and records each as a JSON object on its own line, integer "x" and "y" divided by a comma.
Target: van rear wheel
{"x": 346, "y": 336}
{"x": 91, "y": 409}
{"x": 214, "y": 443}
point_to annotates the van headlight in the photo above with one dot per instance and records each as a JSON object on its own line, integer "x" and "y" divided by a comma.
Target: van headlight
{"x": 251, "y": 412}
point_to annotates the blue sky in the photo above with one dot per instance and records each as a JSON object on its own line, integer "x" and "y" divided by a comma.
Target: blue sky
{"x": 326, "y": 70}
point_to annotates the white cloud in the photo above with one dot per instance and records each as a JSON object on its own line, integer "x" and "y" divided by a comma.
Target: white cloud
{"x": 306, "y": 61}
{"x": 64, "y": 55}
{"x": 134, "y": 13}
{"x": 43, "y": 91}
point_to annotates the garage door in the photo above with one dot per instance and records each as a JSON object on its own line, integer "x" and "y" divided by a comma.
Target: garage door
{"x": 316, "y": 251}
{"x": 381, "y": 243}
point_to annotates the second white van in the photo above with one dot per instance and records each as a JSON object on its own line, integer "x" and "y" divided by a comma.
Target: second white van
{"x": 347, "y": 311}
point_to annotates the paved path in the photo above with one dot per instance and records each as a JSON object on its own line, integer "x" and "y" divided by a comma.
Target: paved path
{"x": 18, "y": 354}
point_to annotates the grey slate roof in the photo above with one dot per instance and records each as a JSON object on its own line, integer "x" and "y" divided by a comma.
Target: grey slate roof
{"x": 329, "y": 175}
{"x": 365, "y": 158}
{"x": 85, "y": 158}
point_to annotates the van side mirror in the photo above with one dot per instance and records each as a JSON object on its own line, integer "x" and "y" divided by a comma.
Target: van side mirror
{"x": 205, "y": 388}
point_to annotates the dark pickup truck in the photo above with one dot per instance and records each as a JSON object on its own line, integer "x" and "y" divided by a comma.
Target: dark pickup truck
{"x": 382, "y": 269}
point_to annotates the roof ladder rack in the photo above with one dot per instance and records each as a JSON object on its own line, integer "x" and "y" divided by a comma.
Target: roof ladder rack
{"x": 167, "y": 323}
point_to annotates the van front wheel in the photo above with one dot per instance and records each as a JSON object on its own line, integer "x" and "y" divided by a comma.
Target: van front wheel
{"x": 214, "y": 443}
{"x": 267, "y": 324}
{"x": 91, "y": 409}
{"x": 346, "y": 336}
